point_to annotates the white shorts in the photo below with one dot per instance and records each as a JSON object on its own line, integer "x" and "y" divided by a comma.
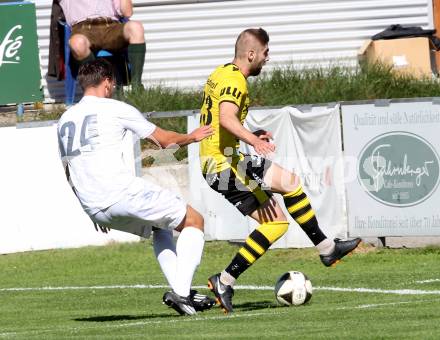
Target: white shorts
{"x": 145, "y": 206}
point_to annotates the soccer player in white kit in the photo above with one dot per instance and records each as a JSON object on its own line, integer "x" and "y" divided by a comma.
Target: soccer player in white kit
{"x": 90, "y": 136}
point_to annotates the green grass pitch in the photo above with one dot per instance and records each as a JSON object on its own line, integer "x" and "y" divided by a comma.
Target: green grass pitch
{"x": 400, "y": 297}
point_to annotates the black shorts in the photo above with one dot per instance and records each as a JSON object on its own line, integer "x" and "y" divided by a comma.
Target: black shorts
{"x": 243, "y": 185}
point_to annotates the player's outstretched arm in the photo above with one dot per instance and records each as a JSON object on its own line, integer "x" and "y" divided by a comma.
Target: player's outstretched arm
{"x": 229, "y": 121}
{"x": 166, "y": 137}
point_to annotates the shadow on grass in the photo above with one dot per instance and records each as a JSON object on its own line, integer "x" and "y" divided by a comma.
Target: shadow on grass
{"x": 249, "y": 306}
{"x": 242, "y": 307}
{"x": 109, "y": 318}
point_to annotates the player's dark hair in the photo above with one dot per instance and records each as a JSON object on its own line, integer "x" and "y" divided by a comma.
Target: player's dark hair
{"x": 258, "y": 33}
{"x": 93, "y": 73}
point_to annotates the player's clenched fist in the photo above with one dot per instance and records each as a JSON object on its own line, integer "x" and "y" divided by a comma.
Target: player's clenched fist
{"x": 202, "y": 132}
{"x": 262, "y": 145}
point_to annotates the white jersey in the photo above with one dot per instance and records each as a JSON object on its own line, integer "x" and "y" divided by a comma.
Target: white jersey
{"x": 90, "y": 136}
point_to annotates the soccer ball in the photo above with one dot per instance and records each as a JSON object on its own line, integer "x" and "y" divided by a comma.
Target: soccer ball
{"x": 293, "y": 288}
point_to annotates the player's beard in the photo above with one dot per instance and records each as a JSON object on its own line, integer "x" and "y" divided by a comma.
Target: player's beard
{"x": 256, "y": 71}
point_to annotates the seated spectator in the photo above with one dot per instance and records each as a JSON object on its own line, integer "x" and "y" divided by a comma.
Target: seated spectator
{"x": 96, "y": 25}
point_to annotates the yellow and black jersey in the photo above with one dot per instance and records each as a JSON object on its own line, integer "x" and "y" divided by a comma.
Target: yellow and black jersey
{"x": 226, "y": 83}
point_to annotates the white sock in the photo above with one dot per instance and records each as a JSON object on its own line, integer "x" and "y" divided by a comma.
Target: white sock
{"x": 326, "y": 246}
{"x": 165, "y": 252}
{"x": 189, "y": 248}
{"x": 227, "y": 279}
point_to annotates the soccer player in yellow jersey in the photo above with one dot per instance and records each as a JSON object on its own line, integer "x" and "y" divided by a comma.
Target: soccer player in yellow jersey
{"x": 248, "y": 182}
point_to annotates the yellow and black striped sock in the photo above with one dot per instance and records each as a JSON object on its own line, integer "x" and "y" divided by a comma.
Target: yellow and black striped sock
{"x": 298, "y": 206}
{"x": 256, "y": 245}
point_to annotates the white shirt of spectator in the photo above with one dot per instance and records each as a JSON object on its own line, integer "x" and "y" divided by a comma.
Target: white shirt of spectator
{"x": 76, "y": 11}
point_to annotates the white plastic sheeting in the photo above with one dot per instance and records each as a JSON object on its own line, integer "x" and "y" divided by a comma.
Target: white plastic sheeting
{"x": 186, "y": 40}
{"x": 308, "y": 142}
{"x": 40, "y": 209}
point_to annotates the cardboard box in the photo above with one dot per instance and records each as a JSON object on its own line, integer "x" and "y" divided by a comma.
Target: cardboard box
{"x": 413, "y": 56}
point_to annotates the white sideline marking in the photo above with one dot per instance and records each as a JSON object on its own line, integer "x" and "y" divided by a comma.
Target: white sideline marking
{"x": 22, "y": 289}
{"x": 142, "y": 323}
{"x": 382, "y": 291}
{"x": 387, "y": 304}
{"x": 244, "y": 287}
{"x": 428, "y": 281}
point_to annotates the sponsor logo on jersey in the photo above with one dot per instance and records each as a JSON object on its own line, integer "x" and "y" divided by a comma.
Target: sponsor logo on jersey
{"x": 212, "y": 84}
{"x": 230, "y": 91}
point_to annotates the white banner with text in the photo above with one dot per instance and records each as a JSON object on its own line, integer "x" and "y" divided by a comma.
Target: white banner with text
{"x": 391, "y": 154}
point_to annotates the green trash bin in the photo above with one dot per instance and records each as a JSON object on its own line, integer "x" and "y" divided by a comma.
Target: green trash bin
{"x": 20, "y": 77}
